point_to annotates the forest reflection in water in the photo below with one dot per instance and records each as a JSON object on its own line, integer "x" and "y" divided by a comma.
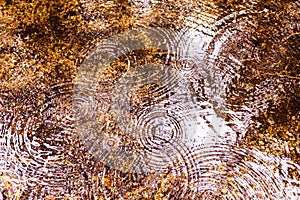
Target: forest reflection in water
{"x": 254, "y": 49}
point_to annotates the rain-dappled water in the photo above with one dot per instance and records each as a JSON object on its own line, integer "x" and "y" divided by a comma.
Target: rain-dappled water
{"x": 149, "y": 100}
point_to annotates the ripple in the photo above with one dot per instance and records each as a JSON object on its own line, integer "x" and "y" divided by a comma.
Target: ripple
{"x": 160, "y": 133}
{"x": 145, "y": 85}
{"x": 237, "y": 173}
{"x": 137, "y": 89}
{"x": 125, "y": 110}
{"x": 151, "y": 105}
{"x": 157, "y": 128}
{"x": 36, "y": 128}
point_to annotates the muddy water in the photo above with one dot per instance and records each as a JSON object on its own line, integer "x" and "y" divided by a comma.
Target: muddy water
{"x": 240, "y": 83}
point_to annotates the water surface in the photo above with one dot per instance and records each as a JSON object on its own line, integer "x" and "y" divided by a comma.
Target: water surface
{"x": 242, "y": 74}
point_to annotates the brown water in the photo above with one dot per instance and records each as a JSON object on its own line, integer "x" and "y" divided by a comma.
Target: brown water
{"x": 230, "y": 132}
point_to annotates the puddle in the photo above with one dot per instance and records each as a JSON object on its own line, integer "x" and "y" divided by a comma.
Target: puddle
{"x": 149, "y": 100}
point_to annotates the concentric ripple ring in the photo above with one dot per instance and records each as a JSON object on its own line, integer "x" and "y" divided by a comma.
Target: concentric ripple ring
{"x": 157, "y": 125}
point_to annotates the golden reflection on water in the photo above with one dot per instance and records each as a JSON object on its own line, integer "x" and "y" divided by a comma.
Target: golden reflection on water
{"x": 255, "y": 45}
